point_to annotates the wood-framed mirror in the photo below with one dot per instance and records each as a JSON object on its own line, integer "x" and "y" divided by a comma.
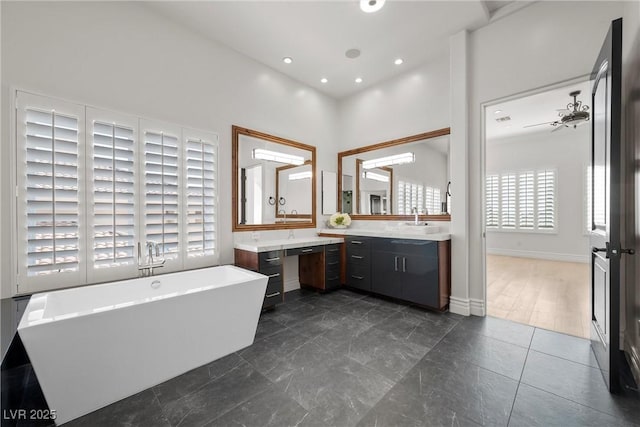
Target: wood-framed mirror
{"x": 273, "y": 182}
{"x": 392, "y": 179}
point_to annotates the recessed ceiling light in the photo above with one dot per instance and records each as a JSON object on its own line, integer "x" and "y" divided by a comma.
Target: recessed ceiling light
{"x": 497, "y": 112}
{"x": 398, "y": 61}
{"x": 287, "y": 60}
{"x": 370, "y": 6}
{"x": 358, "y": 79}
{"x": 324, "y": 80}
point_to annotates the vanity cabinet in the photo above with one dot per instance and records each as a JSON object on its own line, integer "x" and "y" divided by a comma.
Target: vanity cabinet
{"x": 318, "y": 266}
{"x": 267, "y": 263}
{"x": 416, "y": 271}
{"x": 359, "y": 262}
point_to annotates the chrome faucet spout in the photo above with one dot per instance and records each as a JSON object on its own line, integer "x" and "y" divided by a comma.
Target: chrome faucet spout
{"x": 415, "y": 217}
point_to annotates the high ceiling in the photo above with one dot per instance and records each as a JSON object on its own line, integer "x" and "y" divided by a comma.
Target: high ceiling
{"x": 540, "y": 108}
{"x": 316, "y": 34}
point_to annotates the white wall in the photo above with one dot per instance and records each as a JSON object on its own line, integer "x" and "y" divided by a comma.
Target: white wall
{"x": 123, "y": 56}
{"x": 518, "y": 53}
{"x": 568, "y": 152}
{"x": 414, "y": 102}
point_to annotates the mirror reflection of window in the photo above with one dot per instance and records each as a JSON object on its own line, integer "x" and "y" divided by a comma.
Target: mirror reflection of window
{"x": 419, "y": 177}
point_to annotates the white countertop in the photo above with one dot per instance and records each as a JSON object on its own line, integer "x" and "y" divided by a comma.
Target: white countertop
{"x": 274, "y": 245}
{"x": 393, "y": 233}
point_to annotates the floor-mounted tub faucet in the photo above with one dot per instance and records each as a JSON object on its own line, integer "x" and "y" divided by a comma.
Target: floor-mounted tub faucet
{"x": 146, "y": 267}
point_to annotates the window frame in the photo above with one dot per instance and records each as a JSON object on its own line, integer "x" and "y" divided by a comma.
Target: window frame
{"x": 517, "y": 229}
{"x": 86, "y": 114}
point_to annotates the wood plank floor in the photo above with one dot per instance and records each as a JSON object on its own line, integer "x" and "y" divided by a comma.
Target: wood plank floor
{"x": 548, "y": 294}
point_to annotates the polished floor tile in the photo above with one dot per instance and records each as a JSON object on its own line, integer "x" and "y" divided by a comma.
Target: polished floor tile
{"x": 535, "y": 407}
{"x": 349, "y": 359}
{"x": 564, "y": 346}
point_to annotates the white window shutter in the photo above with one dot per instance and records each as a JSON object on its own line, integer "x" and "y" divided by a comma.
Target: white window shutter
{"x": 508, "y": 201}
{"x": 113, "y": 194}
{"x": 492, "y": 197}
{"x": 162, "y": 205}
{"x": 546, "y": 182}
{"x": 401, "y": 198}
{"x": 50, "y": 149}
{"x": 200, "y": 197}
{"x": 526, "y": 201}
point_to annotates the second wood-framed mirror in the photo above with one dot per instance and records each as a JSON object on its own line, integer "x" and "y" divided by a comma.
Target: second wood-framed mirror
{"x": 273, "y": 182}
{"x": 393, "y": 180}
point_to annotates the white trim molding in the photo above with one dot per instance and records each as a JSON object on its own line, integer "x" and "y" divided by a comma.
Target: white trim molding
{"x": 552, "y": 256}
{"x": 477, "y": 307}
{"x": 459, "y": 306}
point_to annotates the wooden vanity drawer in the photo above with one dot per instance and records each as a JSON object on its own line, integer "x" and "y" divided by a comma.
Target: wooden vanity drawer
{"x": 304, "y": 250}
{"x": 269, "y": 259}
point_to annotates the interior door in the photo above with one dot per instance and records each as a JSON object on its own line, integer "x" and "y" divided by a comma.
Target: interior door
{"x": 605, "y": 228}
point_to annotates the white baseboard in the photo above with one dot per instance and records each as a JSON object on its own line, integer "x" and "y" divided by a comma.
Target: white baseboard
{"x": 477, "y": 307}
{"x": 552, "y": 256}
{"x": 459, "y": 306}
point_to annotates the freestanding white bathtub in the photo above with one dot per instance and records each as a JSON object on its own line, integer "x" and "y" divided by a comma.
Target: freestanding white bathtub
{"x": 95, "y": 345}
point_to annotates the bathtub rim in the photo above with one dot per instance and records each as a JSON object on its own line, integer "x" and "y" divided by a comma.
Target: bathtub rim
{"x": 40, "y": 298}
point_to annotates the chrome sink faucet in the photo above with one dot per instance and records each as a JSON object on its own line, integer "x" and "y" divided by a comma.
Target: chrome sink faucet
{"x": 146, "y": 267}
{"x": 414, "y": 211}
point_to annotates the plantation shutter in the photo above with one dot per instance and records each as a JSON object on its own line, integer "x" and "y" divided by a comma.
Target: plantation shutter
{"x": 429, "y": 198}
{"x": 526, "y": 202}
{"x": 161, "y": 184}
{"x": 508, "y": 201}
{"x": 50, "y": 140}
{"x": 492, "y": 195}
{"x": 113, "y": 193}
{"x": 201, "y": 165}
{"x": 546, "y": 199}
{"x": 401, "y": 198}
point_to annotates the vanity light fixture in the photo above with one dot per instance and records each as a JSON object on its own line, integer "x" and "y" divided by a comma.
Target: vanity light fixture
{"x": 287, "y": 60}
{"x": 370, "y": 6}
{"x": 358, "y": 79}
{"x": 376, "y": 176}
{"x": 323, "y": 80}
{"x": 396, "y": 159}
{"x": 398, "y": 61}
{"x": 274, "y": 156}
{"x": 300, "y": 175}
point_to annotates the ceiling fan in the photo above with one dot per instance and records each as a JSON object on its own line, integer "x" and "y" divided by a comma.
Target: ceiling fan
{"x": 574, "y": 115}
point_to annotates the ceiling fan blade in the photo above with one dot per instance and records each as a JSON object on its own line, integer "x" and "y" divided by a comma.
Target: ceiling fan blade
{"x": 538, "y": 124}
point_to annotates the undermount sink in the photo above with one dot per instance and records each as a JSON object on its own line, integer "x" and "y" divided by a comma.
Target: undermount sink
{"x": 420, "y": 228}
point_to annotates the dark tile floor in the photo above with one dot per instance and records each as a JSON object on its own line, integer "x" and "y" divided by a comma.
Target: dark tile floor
{"x": 346, "y": 359}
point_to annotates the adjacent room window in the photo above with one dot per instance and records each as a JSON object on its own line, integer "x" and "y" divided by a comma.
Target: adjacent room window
{"x": 522, "y": 201}
{"x": 88, "y": 196}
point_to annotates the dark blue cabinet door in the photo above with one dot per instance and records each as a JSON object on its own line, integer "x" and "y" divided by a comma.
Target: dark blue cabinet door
{"x": 386, "y": 278}
{"x": 420, "y": 279}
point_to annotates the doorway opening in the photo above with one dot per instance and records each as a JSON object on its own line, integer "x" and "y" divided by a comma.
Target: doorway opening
{"x": 537, "y": 206}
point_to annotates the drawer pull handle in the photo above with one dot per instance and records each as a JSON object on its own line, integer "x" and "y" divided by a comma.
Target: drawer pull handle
{"x": 274, "y": 275}
{"x": 357, "y": 277}
{"x": 333, "y": 263}
{"x": 275, "y": 294}
{"x": 356, "y": 242}
{"x": 404, "y": 265}
{"x": 333, "y": 250}
{"x": 307, "y": 250}
{"x": 357, "y": 256}
{"x": 333, "y": 278}
{"x": 272, "y": 259}
{"x": 396, "y": 263}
